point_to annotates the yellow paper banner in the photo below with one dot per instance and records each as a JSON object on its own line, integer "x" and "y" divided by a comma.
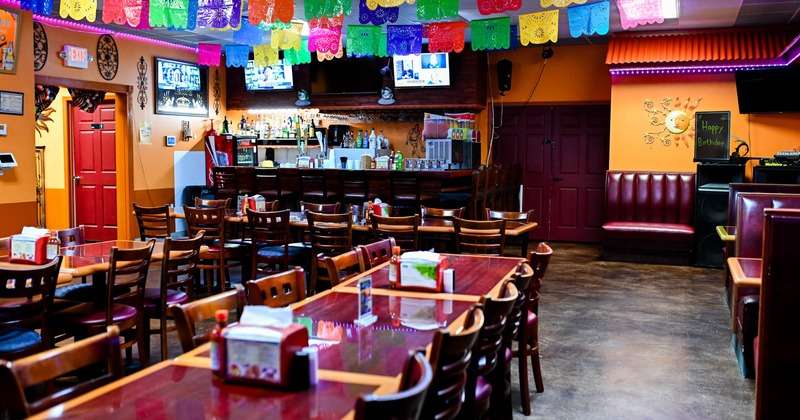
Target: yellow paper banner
{"x": 538, "y": 28}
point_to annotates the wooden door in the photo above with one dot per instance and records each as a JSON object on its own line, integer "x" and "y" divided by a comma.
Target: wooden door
{"x": 95, "y": 172}
{"x": 563, "y": 152}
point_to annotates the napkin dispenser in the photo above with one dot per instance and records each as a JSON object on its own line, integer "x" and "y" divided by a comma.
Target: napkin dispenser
{"x": 264, "y": 355}
{"x": 27, "y": 249}
{"x": 420, "y": 270}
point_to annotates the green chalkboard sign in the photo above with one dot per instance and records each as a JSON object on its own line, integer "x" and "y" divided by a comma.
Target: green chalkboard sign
{"x": 712, "y": 141}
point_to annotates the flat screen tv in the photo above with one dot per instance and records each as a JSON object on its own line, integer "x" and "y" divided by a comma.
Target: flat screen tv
{"x": 426, "y": 69}
{"x": 276, "y": 77}
{"x": 768, "y": 91}
{"x": 346, "y": 75}
{"x": 178, "y": 75}
{"x": 181, "y": 88}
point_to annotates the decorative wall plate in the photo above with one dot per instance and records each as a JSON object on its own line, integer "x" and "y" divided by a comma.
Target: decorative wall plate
{"x": 107, "y": 57}
{"x": 39, "y": 46}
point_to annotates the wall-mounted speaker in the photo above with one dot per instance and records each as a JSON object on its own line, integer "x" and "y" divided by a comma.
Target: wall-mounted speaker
{"x": 504, "y": 75}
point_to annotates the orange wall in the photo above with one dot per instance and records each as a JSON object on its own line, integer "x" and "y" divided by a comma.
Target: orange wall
{"x": 766, "y": 134}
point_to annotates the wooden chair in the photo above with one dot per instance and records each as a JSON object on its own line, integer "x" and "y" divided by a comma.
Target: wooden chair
{"x": 528, "y": 337}
{"x": 270, "y": 236}
{"x": 179, "y": 273}
{"x": 330, "y": 234}
{"x": 407, "y": 402}
{"x": 278, "y": 290}
{"x": 351, "y": 263}
{"x": 217, "y": 258}
{"x": 268, "y": 184}
{"x": 27, "y": 296}
{"x": 376, "y": 253}
{"x": 187, "y": 316}
{"x": 328, "y": 208}
{"x": 441, "y": 242}
{"x": 482, "y": 375}
{"x": 123, "y": 303}
{"x": 404, "y": 230}
{"x": 480, "y": 236}
{"x": 224, "y": 181}
{"x": 206, "y": 202}
{"x": 450, "y": 357}
{"x": 246, "y": 180}
{"x": 154, "y": 222}
{"x": 513, "y": 216}
{"x": 72, "y": 236}
{"x": 404, "y": 192}
{"x": 477, "y": 192}
{"x": 314, "y": 187}
{"x": 18, "y": 376}
{"x": 353, "y": 187}
{"x": 501, "y": 394}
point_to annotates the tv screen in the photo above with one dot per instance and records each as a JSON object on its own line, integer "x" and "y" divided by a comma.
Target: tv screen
{"x": 768, "y": 91}
{"x": 178, "y": 76}
{"x": 346, "y": 75}
{"x": 276, "y": 77}
{"x": 421, "y": 70}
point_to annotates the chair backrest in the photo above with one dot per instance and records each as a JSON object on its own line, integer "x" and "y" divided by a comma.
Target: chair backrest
{"x": 351, "y": 262}
{"x": 353, "y": 186}
{"x": 522, "y": 280}
{"x": 211, "y": 220}
{"x": 278, "y": 290}
{"x": 179, "y": 265}
{"x": 72, "y": 236}
{"x": 206, "y": 202}
{"x": 377, "y": 252}
{"x": 750, "y": 187}
{"x": 268, "y": 181}
{"x": 476, "y": 192}
{"x": 436, "y": 213}
{"x": 404, "y": 230}
{"x": 224, "y": 181}
{"x": 17, "y": 376}
{"x": 450, "y": 357}
{"x": 246, "y": 180}
{"x": 330, "y": 234}
{"x": 404, "y": 184}
{"x": 153, "y": 221}
{"x": 539, "y": 259}
{"x": 186, "y": 316}
{"x": 480, "y": 236}
{"x": 127, "y": 270}
{"x": 509, "y": 216}
{"x": 313, "y": 181}
{"x": 27, "y": 295}
{"x": 332, "y": 208}
{"x": 750, "y": 219}
{"x": 407, "y": 402}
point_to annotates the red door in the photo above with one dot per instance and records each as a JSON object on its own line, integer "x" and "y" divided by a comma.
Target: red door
{"x": 95, "y": 172}
{"x": 563, "y": 152}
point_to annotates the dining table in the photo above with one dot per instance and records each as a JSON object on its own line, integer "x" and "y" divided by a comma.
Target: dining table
{"x": 353, "y": 359}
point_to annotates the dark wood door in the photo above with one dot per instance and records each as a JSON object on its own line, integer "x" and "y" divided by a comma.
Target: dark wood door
{"x": 95, "y": 172}
{"x": 563, "y": 151}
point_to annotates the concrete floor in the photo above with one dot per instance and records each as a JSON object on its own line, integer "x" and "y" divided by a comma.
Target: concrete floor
{"x": 623, "y": 340}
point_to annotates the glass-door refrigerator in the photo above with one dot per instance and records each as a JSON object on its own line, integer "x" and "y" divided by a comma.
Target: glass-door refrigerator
{"x": 228, "y": 150}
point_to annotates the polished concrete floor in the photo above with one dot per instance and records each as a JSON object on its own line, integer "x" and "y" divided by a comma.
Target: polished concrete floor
{"x": 628, "y": 341}
{"x": 621, "y": 340}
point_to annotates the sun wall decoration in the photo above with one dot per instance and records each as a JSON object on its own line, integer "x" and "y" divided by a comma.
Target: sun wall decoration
{"x": 677, "y": 122}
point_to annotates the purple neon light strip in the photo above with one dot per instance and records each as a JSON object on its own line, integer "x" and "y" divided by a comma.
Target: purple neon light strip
{"x": 689, "y": 70}
{"x": 89, "y": 28}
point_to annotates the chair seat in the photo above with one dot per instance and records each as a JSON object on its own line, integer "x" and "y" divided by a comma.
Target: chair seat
{"x": 228, "y": 246}
{"x": 483, "y": 389}
{"x": 88, "y": 314}
{"x": 277, "y": 252}
{"x": 152, "y": 297}
{"x": 75, "y": 292}
{"x": 15, "y": 339}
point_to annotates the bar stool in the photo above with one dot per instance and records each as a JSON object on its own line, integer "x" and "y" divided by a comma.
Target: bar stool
{"x": 246, "y": 180}
{"x": 405, "y": 193}
{"x": 224, "y": 178}
{"x": 353, "y": 187}
{"x": 268, "y": 184}
{"x": 314, "y": 187}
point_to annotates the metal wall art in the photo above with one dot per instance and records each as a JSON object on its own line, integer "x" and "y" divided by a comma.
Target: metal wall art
{"x": 141, "y": 82}
{"x": 676, "y": 119}
{"x": 39, "y": 46}
{"x": 107, "y": 57}
{"x": 216, "y": 91}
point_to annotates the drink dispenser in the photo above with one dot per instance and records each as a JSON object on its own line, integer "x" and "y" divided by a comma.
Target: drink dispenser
{"x": 336, "y": 133}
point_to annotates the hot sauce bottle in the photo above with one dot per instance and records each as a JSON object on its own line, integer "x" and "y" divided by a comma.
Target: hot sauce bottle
{"x": 394, "y": 267}
{"x": 217, "y": 344}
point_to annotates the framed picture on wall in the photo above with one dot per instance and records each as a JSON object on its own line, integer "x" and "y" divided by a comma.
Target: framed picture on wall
{"x": 181, "y": 88}
{"x": 9, "y": 37}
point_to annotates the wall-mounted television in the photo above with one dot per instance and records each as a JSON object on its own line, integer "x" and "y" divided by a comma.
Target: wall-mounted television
{"x": 346, "y": 75}
{"x": 181, "y": 88}
{"x": 768, "y": 91}
{"x": 426, "y": 69}
{"x": 275, "y": 77}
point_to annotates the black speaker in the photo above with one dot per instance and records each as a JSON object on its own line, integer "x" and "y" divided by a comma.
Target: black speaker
{"x": 711, "y": 210}
{"x": 504, "y": 75}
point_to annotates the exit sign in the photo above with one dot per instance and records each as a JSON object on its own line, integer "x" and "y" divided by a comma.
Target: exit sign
{"x": 76, "y": 56}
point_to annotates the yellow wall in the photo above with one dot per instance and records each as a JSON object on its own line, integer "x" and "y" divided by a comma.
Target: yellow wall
{"x": 766, "y": 134}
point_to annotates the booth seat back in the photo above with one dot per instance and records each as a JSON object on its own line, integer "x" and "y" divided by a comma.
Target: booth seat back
{"x": 750, "y": 219}
{"x": 655, "y": 197}
{"x": 741, "y": 188}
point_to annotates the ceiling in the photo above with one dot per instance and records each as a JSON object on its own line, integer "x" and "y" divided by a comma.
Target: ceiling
{"x": 693, "y": 14}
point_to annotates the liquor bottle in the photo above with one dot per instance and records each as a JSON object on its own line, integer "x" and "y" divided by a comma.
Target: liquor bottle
{"x": 359, "y": 140}
{"x": 373, "y": 139}
{"x": 312, "y": 130}
{"x": 394, "y": 267}
{"x": 381, "y": 140}
{"x": 53, "y": 244}
{"x": 217, "y": 344}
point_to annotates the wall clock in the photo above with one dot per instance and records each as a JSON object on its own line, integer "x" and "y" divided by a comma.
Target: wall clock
{"x": 107, "y": 57}
{"x": 39, "y": 46}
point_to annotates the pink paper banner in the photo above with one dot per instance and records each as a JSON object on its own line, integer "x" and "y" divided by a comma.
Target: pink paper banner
{"x": 209, "y": 54}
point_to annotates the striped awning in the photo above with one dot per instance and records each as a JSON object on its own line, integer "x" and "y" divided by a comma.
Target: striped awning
{"x": 710, "y": 45}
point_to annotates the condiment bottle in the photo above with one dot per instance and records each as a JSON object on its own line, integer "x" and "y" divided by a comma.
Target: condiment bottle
{"x": 53, "y": 244}
{"x": 394, "y": 267}
{"x": 218, "y": 344}
{"x": 399, "y": 158}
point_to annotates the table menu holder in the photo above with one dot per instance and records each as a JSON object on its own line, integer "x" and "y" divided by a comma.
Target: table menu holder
{"x": 263, "y": 355}
{"x": 27, "y": 249}
{"x": 365, "y": 315}
{"x": 422, "y": 271}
